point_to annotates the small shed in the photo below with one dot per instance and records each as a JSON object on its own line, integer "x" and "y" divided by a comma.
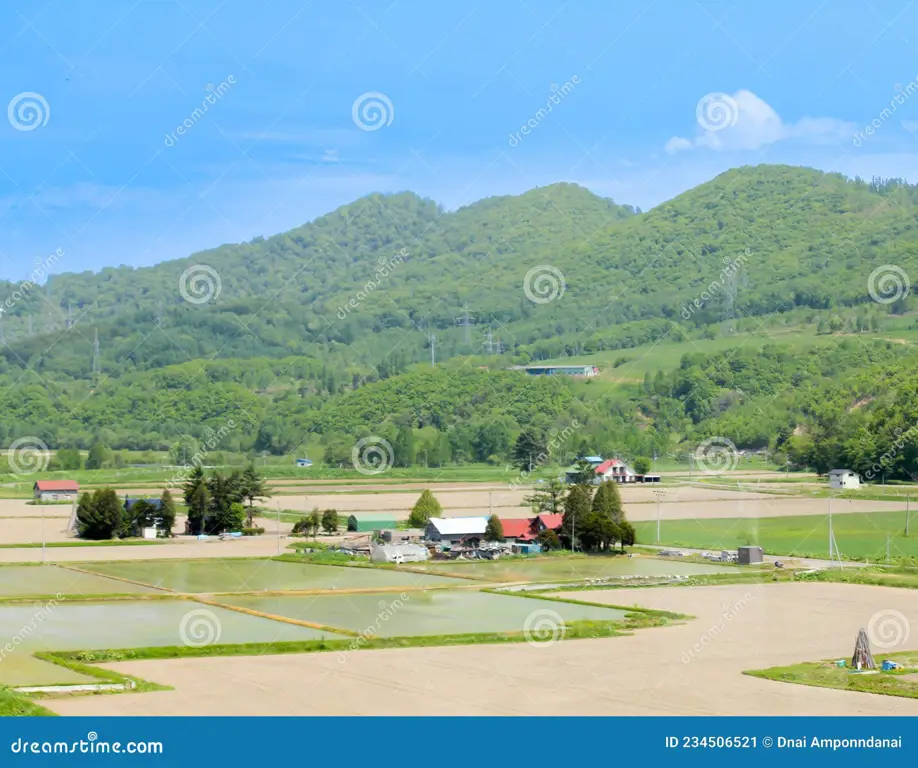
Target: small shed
{"x": 401, "y": 535}
{"x": 362, "y": 524}
{"x": 748, "y": 555}
{"x": 844, "y": 479}
{"x": 56, "y": 490}
{"x": 399, "y": 553}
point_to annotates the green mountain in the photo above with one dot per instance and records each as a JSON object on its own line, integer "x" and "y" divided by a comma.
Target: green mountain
{"x": 323, "y": 333}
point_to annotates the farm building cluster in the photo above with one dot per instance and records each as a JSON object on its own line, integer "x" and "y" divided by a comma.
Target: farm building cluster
{"x": 447, "y": 537}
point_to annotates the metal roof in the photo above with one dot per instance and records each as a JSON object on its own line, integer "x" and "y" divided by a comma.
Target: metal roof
{"x": 459, "y": 526}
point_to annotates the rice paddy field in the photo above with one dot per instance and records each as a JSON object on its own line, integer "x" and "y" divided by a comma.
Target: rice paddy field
{"x": 62, "y": 626}
{"x": 21, "y": 581}
{"x": 215, "y": 576}
{"x": 426, "y": 613}
{"x": 118, "y": 609}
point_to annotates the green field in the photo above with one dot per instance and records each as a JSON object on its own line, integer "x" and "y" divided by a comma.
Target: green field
{"x": 205, "y": 576}
{"x": 50, "y": 580}
{"x": 568, "y": 568}
{"x": 425, "y": 613}
{"x": 827, "y": 674}
{"x": 58, "y": 626}
{"x": 860, "y": 536}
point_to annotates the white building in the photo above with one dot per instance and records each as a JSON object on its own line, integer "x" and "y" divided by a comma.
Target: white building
{"x": 455, "y": 529}
{"x": 844, "y": 479}
{"x": 399, "y": 553}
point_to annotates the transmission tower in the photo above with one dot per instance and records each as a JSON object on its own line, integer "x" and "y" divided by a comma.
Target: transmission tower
{"x": 433, "y": 350}
{"x": 489, "y": 343}
{"x": 96, "y": 367}
{"x": 466, "y": 322}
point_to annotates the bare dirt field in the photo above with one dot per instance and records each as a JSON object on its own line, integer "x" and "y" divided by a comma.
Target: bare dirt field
{"x": 654, "y": 672}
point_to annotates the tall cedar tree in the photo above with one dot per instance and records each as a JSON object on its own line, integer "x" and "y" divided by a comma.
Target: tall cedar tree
{"x": 608, "y": 502}
{"x": 548, "y": 499}
{"x": 527, "y": 448}
{"x": 424, "y": 508}
{"x": 314, "y": 522}
{"x": 194, "y": 480}
{"x": 576, "y": 508}
{"x": 494, "y": 530}
{"x": 197, "y": 509}
{"x": 166, "y": 513}
{"x": 254, "y": 488}
{"x": 99, "y": 516}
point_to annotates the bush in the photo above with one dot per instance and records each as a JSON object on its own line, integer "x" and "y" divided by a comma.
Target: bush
{"x": 252, "y": 531}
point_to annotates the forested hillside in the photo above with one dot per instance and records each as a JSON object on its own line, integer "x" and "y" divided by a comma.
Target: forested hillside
{"x": 322, "y": 335}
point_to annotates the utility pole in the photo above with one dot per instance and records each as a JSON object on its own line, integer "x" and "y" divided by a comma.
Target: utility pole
{"x": 658, "y": 493}
{"x": 906, "y": 514}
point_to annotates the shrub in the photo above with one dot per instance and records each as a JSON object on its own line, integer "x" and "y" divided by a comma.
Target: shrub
{"x": 252, "y": 531}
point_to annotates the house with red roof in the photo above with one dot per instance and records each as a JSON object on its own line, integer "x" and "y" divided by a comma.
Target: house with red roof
{"x": 55, "y": 490}
{"x": 609, "y": 469}
{"x": 518, "y": 529}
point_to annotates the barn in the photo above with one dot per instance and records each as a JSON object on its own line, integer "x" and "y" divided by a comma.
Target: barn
{"x": 56, "y": 490}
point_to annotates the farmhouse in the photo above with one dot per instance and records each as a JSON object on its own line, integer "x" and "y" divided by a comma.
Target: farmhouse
{"x": 452, "y": 530}
{"x": 547, "y": 522}
{"x": 610, "y": 469}
{"x": 56, "y": 490}
{"x": 844, "y": 479}
{"x": 518, "y": 530}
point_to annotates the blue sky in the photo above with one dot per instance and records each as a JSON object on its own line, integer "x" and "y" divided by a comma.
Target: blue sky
{"x": 92, "y": 172}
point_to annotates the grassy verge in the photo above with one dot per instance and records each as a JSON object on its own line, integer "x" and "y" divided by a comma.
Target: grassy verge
{"x": 14, "y": 704}
{"x": 905, "y": 578}
{"x": 826, "y": 674}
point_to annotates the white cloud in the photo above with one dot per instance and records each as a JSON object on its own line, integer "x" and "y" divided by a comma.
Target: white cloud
{"x": 743, "y": 121}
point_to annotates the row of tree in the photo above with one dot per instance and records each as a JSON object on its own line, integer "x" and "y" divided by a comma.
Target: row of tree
{"x": 102, "y": 515}
{"x": 222, "y": 502}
